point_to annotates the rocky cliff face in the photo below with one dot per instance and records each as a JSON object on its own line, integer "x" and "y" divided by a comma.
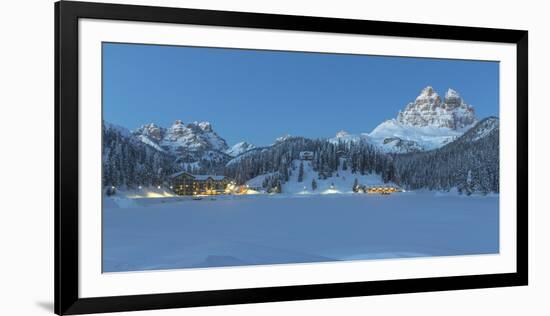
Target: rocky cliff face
{"x": 429, "y": 110}
{"x": 152, "y": 131}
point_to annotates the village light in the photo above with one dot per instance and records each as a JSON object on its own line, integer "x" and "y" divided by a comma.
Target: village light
{"x": 139, "y": 187}
{"x": 158, "y": 187}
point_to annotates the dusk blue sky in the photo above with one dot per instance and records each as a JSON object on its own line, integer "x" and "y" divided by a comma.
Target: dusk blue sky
{"x": 257, "y": 96}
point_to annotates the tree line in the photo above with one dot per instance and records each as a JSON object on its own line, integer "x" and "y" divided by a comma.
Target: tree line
{"x": 469, "y": 164}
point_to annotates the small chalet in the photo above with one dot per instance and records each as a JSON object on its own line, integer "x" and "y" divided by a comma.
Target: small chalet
{"x": 306, "y": 155}
{"x": 184, "y": 183}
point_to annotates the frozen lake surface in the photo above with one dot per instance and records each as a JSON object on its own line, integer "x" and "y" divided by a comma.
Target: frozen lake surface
{"x": 170, "y": 233}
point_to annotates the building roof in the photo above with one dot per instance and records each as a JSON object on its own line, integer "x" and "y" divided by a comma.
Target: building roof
{"x": 177, "y": 174}
{"x": 206, "y": 176}
{"x": 197, "y": 176}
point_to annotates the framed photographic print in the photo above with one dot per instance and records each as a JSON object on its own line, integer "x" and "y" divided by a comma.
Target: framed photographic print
{"x": 208, "y": 157}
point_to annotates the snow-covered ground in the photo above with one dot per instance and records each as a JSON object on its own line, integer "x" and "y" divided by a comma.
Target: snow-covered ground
{"x": 178, "y": 232}
{"x": 143, "y": 192}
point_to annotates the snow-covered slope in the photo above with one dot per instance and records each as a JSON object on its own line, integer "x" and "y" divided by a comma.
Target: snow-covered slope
{"x": 148, "y": 141}
{"x": 107, "y": 126}
{"x": 239, "y": 148}
{"x": 391, "y": 136}
{"x": 418, "y": 137}
{"x": 484, "y": 128}
{"x": 245, "y": 154}
{"x": 341, "y": 181}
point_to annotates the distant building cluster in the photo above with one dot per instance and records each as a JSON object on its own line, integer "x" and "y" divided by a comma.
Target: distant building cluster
{"x": 376, "y": 189}
{"x": 184, "y": 183}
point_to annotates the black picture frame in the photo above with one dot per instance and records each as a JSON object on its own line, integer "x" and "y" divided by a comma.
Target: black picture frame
{"x": 67, "y": 15}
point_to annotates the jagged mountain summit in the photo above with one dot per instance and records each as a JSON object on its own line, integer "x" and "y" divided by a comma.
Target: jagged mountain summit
{"x": 239, "y": 148}
{"x": 182, "y": 138}
{"x": 427, "y": 123}
{"x": 428, "y": 110}
{"x": 283, "y": 138}
{"x": 193, "y": 136}
{"x": 343, "y": 136}
{"x": 194, "y": 145}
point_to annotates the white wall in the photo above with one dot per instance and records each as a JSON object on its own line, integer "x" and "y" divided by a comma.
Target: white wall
{"x": 26, "y": 100}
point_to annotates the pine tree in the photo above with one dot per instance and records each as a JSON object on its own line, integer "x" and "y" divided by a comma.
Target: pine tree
{"x": 301, "y": 172}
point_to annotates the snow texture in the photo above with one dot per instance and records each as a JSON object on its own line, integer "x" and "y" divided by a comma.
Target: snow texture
{"x": 425, "y": 137}
{"x": 171, "y": 233}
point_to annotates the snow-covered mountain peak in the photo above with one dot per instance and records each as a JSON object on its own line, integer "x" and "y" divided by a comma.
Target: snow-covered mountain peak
{"x": 428, "y": 95}
{"x": 345, "y": 137}
{"x": 205, "y": 126}
{"x": 182, "y": 139}
{"x": 283, "y": 138}
{"x": 429, "y": 110}
{"x": 193, "y": 136}
{"x": 150, "y": 130}
{"x": 177, "y": 129}
{"x": 451, "y": 94}
{"x": 454, "y": 101}
{"x": 239, "y": 148}
{"x": 427, "y": 123}
{"x": 342, "y": 134}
